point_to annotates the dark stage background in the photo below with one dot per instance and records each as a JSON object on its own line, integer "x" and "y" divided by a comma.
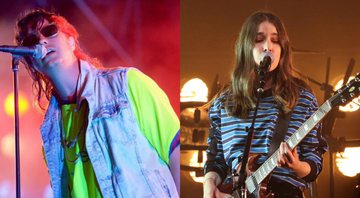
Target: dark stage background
{"x": 319, "y": 31}
{"x": 144, "y": 34}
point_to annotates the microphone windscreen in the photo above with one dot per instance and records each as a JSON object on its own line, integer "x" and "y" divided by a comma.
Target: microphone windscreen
{"x": 40, "y": 51}
{"x": 268, "y": 54}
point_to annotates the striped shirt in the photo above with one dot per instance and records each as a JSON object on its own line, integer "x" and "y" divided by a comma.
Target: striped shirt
{"x": 228, "y": 137}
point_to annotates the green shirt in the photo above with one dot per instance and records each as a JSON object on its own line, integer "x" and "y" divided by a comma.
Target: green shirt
{"x": 81, "y": 176}
{"x": 153, "y": 111}
{"x": 155, "y": 117}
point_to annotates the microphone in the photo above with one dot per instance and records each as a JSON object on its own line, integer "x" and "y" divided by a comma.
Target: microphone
{"x": 267, "y": 60}
{"x": 38, "y": 51}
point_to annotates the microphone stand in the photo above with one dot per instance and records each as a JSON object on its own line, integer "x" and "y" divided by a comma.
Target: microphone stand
{"x": 242, "y": 174}
{"x": 15, "y": 69}
{"x": 38, "y": 51}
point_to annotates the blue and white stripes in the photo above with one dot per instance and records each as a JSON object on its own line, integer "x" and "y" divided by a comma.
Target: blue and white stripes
{"x": 228, "y": 136}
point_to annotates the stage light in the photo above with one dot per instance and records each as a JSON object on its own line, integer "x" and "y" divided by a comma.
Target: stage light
{"x": 9, "y": 105}
{"x": 194, "y": 90}
{"x": 7, "y": 145}
{"x": 196, "y": 162}
{"x": 193, "y": 122}
{"x": 351, "y": 106}
{"x": 348, "y": 162}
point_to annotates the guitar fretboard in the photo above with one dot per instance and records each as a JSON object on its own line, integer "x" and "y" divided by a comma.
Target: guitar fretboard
{"x": 343, "y": 95}
{"x": 270, "y": 164}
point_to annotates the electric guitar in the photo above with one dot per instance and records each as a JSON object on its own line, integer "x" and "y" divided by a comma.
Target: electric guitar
{"x": 341, "y": 96}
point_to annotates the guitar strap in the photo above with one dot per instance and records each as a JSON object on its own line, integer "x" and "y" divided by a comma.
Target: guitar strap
{"x": 280, "y": 130}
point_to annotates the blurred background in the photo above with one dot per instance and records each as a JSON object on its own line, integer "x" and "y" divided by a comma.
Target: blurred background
{"x": 326, "y": 48}
{"x": 144, "y": 34}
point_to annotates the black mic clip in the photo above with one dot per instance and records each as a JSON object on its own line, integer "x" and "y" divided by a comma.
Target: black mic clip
{"x": 263, "y": 69}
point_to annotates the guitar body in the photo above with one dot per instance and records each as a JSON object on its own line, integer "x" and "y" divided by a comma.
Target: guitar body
{"x": 260, "y": 192}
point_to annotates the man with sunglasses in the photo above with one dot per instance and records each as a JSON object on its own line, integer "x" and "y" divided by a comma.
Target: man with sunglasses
{"x": 106, "y": 132}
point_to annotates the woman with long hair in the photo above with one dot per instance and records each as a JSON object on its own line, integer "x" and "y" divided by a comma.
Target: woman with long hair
{"x": 285, "y": 95}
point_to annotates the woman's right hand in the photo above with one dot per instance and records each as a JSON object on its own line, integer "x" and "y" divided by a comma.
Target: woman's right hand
{"x": 211, "y": 190}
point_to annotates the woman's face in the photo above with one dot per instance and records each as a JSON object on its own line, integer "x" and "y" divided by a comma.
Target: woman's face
{"x": 267, "y": 39}
{"x": 60, "y": 52}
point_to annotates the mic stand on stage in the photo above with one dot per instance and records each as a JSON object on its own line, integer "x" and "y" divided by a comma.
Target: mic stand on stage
{"x": 38, "y": 51}
{"x": 15, "y": 69}
{"x": 239, "y": 188}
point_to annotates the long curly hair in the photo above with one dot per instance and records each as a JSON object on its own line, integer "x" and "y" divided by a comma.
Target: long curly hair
{"x": 31, "y": 22}
{"x": 286, "y": 82}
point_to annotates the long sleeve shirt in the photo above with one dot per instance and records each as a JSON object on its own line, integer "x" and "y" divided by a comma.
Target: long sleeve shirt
{"x": 228, "y": 137}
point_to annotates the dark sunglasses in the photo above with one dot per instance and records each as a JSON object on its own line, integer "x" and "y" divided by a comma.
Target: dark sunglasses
{"x": 48, "y": 31}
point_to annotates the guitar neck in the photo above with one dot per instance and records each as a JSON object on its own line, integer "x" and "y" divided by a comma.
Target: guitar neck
{"x": 296, "y": 138}
{"x": 343, "y": 95}
{"x": 270, "y": 164}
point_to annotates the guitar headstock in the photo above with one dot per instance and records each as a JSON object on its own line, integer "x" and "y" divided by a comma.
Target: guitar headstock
{"x": 347, "y": 93}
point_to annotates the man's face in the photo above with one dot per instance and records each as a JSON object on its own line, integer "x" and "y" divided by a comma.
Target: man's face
{"x": 60, "y": 48}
